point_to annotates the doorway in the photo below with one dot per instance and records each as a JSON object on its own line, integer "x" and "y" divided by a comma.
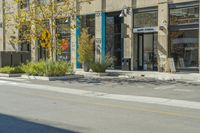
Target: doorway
{"x": 147, "y": 51}
{"x": 114, "y": 41}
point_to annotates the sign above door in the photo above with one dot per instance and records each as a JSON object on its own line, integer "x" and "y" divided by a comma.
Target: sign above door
{"x": 145, "y": 30}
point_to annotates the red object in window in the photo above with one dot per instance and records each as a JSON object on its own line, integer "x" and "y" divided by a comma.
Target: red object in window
{"x": 64, "y": 45}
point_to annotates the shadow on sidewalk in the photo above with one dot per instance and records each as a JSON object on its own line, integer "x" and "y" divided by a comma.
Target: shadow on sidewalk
{"x": 130, "y": 81}
{"x": 11, "y": 124}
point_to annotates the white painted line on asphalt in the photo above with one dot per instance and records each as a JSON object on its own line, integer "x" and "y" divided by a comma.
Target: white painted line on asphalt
{"x": 183, "y": 90}
{"x": 13, "y": 79}
{"x": 128, "y": 98}
{"x": 164, "y": 87}
{"x": 3, "y": 82}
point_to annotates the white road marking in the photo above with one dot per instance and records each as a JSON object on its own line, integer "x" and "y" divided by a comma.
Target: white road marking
{"x": 183, "y": 90}
{"x": 129, "y": 98}
{"x": 164, "y": 87}
{"x": 13, "y": 79}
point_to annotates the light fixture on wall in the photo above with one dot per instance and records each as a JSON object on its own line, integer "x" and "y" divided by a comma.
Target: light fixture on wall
{"x": 126, "y": 11}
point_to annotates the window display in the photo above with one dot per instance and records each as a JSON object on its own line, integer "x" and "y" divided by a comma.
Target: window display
{"x": 184, "y": 48}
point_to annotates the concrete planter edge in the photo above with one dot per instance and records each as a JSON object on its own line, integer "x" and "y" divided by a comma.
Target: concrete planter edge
{"x": 67, "y": 77}
{"x": 10, "y": 75}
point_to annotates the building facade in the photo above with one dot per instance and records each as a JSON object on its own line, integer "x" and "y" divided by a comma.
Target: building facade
{"x": 144, "y": 34}
{"x": 137, "y": 34}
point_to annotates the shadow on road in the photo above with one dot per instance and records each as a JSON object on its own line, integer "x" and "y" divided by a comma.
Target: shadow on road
{"x": 11, "y": 124}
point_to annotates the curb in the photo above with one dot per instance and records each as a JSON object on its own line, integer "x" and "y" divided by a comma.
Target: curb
{"x": 10, "y": 75}
{"x": 68, "y": 77}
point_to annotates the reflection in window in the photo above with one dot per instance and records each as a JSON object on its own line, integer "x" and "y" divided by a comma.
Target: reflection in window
{"x": 186, "y": 15}
{"x": 63, "y": 39}
{"x": 24, "y": 37}
{"x": 114, "y": 40}
{"x": 146, "y": 19}
{"x": 88, "y": 21}
{"x": 184, "y": 48}
{"x": 42, "y": 53}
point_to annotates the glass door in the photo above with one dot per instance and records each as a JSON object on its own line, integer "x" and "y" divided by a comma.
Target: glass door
{"x": 147, "y": 51}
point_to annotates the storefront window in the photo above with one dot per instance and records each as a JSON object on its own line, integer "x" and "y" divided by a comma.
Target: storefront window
{"x": 186, "y": 15}
{"x": 88, "y": 21}
{"x": 146, "y": 19}
{"x": 63, "y": 39}
{"x": 184, "y": 48}
{"x": 114, "y": 39}
{"x": 42, "y": 52}
{"x": 24, "y": 37}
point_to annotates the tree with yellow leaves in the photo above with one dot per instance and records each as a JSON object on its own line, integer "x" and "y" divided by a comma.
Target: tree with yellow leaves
{"x": 39, "y": 18}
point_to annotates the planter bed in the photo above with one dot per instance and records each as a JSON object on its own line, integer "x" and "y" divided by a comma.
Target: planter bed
{"x": 67, "y": 77}
{"x": 10, "y": 75}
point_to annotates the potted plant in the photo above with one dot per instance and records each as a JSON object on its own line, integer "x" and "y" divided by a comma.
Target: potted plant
{"x": 85, "y": 49}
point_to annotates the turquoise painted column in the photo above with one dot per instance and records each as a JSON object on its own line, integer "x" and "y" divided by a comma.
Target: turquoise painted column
{"x": 103, "y": 35}
{"x": 78, "y": 32}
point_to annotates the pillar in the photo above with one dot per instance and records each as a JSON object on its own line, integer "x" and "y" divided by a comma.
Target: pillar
{"x": 73, "y": 45}
{"x": 163, "y": 35}
{"x": 100, "y": 36}
{"x": 127, "y": 31}
{"x": 78, "y": 32}
{"x": 34, "y": 46}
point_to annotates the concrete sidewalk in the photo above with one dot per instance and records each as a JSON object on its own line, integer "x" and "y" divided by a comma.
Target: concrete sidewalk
{"x": 185, "y": 76}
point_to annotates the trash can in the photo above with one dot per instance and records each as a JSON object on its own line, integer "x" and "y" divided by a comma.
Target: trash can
{"x": 126, "y": 64}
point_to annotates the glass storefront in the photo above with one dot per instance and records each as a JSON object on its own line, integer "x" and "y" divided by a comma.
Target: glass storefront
{"x": 146, "y": 38}
{"x": 114, "y": 39}
{"x": 146, "y": 19}
{"x": 184, "y": 15}
{"x": 42, "y": 53}
{"x": 88, "y": 21}
{"x": 184, "y": 48}
{"x": 183, "y": 36}
{"x": 63, "y": 39}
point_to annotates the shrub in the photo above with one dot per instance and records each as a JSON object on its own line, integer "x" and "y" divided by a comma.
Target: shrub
{"x": 86, "y": 47}
{"x": 47, "y": 68}
{"x": 58, "y": 68}
{"x": 34, "y": 68}
{"x": 101, "y": 68}
{"x": 11, "y": 70}
{"x": 98, "y": 67}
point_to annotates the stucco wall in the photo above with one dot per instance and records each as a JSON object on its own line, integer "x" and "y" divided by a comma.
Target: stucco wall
{"x": 90, "y": 8}
{"x": 10, "y": 30}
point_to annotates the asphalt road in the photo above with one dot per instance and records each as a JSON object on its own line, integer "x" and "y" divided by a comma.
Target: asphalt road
{"x": 28, "y": 107}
